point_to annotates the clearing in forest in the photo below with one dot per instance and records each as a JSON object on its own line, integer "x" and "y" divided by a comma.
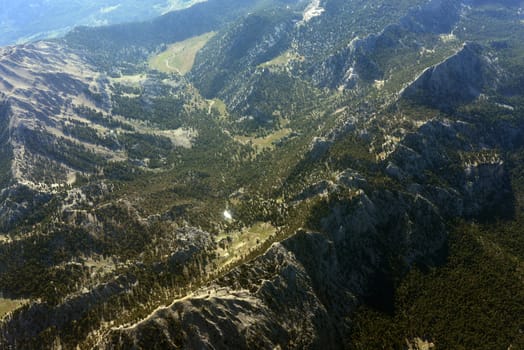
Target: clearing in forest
{"x": 179, "y": 57}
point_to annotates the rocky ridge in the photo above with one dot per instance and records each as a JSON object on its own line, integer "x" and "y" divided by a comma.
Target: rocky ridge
{"x": 375, "y": 179}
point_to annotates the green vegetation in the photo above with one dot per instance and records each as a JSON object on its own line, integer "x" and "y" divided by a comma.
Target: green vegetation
{"x": 99, "y": 118}
{"x": 270, "y": 145}
{"x": 234, "y": 245}
{"x": 179, "y": 57}
{"x": 472, "y": 302}
{"x": 5, "y": 151}
{"x": 265, "y": 142}
{"x": 219, "y": 106}
{"x": 233, "y": 53}
{"x": 77, "y": 156}
{"x": 282, "y": 60}
{"x": 125, "y": 48}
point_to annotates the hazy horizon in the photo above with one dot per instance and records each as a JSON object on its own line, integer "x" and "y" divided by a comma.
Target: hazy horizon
{"x": 22, "y": 22}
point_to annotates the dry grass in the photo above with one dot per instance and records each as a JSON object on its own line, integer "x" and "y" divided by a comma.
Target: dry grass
{"x": 266, "y": 142}
{"x": 244, "y": 241}
{"x": 9, "y": 305}
{"x": 180, "y": 57}
{"x": 282, "y": 60}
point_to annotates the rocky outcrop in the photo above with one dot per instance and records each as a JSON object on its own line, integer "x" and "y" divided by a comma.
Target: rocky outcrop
{"x": 268, "y": 302}
{"x": 299, "y": 293}
{"x": 487, "y": 188}
{"x": 19, "y": 202}
{"x": 6, "y": 150}
{"x": 366, "y": 228}
{"x": 347, "y": 67}
{"x": 437, "y": 16}
{"x": 359, "y": 61}
{"x": 39, "y": 86}
{"x": 19, "y": 329}
{"x": 455, "y": 167}
{"x": 186, "y": 255}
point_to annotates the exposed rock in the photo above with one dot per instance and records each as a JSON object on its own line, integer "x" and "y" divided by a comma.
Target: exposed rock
{"x": 344, "y": 69}
{"x": 437, "y": 16}
{"x": 318, "y": 189}
{"x": 318, "y": 147}
{"x": 42, "y": 83}
{"x": 365, "y": 229}
{"x": 394, "y": 171}
{"x": 351, "y": 179}
{"x": 357, "y": 62}
{"x": 420, "y": 344}
{"x": 487, "y": 189}
{"x": 223, "y": 67}
{"x": 36, "y": 317}
{"x": 479, "y": 183}
{"x": 188, "y": 252}
{"x": 298, "y": 293}
{"x": 19, "y": 202}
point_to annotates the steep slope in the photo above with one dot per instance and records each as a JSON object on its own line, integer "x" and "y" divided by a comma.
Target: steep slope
{"x": 368, "y": 58}
{"x": 341, "y": 144}
{"x": 258, "y": 38}
{"x": 41, "y": 85}
{"x": 441, "y": 169}
{"x": 121, "y": 46}
{"x": 457, "y": 80}
{"x": 60, "y": 125}
{"x": 298, "y": 293}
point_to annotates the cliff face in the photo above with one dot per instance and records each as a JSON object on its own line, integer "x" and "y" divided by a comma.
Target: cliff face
{"x": 189, "y": 252}
{"x": 299, "y": 293}
{"x": 229, "y": 67}
{"x": 268, "y": 302}
{"x": 58, "y": 125}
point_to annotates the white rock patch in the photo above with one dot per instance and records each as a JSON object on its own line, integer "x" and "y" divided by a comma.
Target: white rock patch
{"x": 313, "y": 10}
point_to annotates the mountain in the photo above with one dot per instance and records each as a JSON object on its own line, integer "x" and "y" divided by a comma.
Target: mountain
{"x": 36, "y": 20}
{"x": 267, "y": 174}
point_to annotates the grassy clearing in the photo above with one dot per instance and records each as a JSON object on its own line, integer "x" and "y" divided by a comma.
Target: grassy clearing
{"x": 130, "y": 80}
{"x": 241, "y": 242}
{"x": 219, "y": 106}
{"x": 282, "y": 60}
{"x": 266, "y": 142}
{"x": 8, "y": 305}
{"x": 179, "y": 57}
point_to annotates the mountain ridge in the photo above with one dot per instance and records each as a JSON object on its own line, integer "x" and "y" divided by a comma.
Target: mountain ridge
{"x": 283, "y": 193}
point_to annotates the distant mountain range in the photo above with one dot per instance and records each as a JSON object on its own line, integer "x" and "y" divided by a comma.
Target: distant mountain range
{"x": 23, "y": 21}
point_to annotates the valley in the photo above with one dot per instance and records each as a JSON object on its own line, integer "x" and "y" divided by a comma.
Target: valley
{"x": 266, "y": 174}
